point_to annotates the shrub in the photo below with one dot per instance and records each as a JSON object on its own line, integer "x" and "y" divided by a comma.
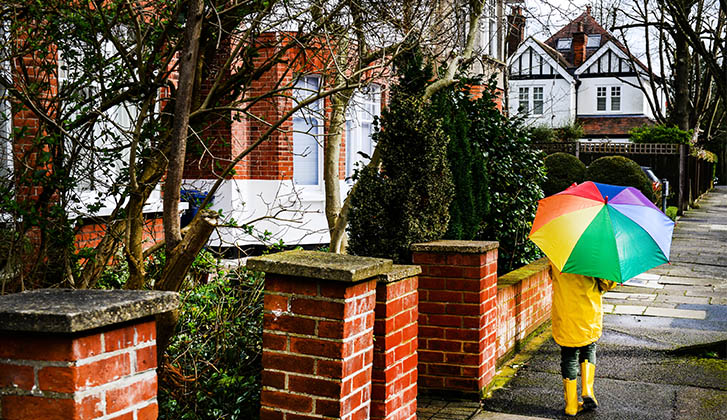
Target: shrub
{"x": 619, "y": 170}
{"x": 671, "y": 212}
{"x": 471, "y": 196}
{"x": 542, "y": 134}
{"x": 660, "y": 134}
{"x": 407, "y": 200}
{"x": 514, "y": 172}
{"x": 562, "y": 170}
{"x": 570, "y": 132}
{"x": 211, "y": 369}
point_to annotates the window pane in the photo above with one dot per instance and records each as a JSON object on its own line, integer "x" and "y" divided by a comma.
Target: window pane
{"x": 524, "y": 100}
{"x": 537, "y": 100}
{"x": 615, "y": 98}
{"x": 564, "y": 43}
{"x": 601, "y": 99}
{"x": 305, "y": 153}
{"x": 306, "y": 123}
{"x": 363, "y": 108}
{"x": 594, "y": 41}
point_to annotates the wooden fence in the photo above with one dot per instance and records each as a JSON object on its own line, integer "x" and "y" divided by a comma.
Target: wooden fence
{"x": 688, "y": 176}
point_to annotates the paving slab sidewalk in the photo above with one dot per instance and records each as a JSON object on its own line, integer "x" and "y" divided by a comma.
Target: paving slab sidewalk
{"x": 639, "y": 376}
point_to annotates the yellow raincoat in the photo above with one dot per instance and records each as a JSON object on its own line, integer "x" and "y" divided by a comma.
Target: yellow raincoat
{"x": 577, "y": 312}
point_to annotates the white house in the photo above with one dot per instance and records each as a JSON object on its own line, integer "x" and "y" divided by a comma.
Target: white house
{"x": 581, "y": 74}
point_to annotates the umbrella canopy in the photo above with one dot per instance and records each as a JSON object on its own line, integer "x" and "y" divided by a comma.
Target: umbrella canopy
{"x": 603, "y": 231}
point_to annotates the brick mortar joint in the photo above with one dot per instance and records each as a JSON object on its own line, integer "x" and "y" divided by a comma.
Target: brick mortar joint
{"x": 129, "y": 410}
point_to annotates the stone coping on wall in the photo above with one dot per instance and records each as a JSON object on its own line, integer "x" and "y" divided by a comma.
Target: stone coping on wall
{"x": 458, "y": 246}
{"x": 398, "y": 272}
{"x": 320, "y": 265}
{"x": 70, "y": 311}
{"x": 522, "y": 273}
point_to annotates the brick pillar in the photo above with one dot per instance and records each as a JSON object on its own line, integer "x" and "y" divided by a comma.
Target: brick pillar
{"x": 318, "y": 334}
{"x": 395, "y": 345}
{"x": 80, "y": 354}
{"x": 457, "y": 315}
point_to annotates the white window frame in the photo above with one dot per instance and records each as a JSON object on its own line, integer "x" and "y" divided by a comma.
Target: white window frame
{"x": 523, "y": 98}
{"x": 7, "y": 164}
{"x": 592, "y": 41}
{"x": 311, "y": 116}
{"x": 610, "y": 98}
{"x": 615, "y": 94}
{"x": 120, "y": 116}
{"x": 601, "y": 98}
{"x": 363, "y": 108}
{"x": 538, "y": 103}
{"x": 563, "y": 43}
{"x": 490, "y": 30}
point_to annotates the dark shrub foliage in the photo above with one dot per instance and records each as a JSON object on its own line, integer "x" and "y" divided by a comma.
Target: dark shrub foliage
{"x": 211, "y": 369}
{"x": 471, "y": 198}
{"x": 515, "y": 173}
{"x": 562, "y": 170}
{"x": 619, "y": 170}
{"x": 570, "y": 132}
{"x": 542, "y": 134}
{"x": 408, "y": 200}
{"x": 660, "y": 134}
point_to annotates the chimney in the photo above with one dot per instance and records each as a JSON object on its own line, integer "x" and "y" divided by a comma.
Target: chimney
{"x": 580, "y": 39}
{"x": 515, "y": 30}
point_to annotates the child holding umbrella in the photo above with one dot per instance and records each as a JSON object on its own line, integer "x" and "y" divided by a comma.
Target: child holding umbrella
{"x": 590, "y": 232}
{"x": 577, "y": 317}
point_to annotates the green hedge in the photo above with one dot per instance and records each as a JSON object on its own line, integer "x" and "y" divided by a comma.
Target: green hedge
{"x": 561, "y": 171}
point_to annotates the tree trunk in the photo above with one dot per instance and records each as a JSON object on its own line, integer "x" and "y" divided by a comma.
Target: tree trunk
{"x": 331, "y": 159}
{"x": 681, "y": 82}
{"x": 179, "y": 260}
{"x": 185, "y": 90}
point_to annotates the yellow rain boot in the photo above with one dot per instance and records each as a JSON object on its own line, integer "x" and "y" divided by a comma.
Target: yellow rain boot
{"x": 588, "y": 374}
{"x": 572, "y": 406}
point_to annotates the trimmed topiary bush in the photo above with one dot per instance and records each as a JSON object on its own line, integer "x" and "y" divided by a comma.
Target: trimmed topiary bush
{"x": 618, "y": 170}
{"x": 562, "y": 170}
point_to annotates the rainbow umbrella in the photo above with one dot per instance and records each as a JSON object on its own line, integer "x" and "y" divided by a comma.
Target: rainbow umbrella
{"x": 603, "y": 231}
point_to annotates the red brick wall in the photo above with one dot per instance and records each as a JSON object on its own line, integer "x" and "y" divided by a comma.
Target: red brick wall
{"x": 524, "y": 299}
{"x": 101, "y": 375}
{"x": 317, "y": 349}
{"x": 457, "y": 318}
{"x": 89, "y": 235}
{"x": 394, "y": 388}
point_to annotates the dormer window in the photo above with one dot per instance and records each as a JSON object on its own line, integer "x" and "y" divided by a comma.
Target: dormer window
{"x": 564, "y": 43}
{"x": 594, "y": 41}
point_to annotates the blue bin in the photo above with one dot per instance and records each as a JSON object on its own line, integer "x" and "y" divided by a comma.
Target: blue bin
{"x": 194, "y": 198}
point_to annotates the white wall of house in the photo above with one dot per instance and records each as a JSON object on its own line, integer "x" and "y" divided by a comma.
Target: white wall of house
{"x": 630, "y": 98}
{"x": 558, "y": 101}
{"x": 293, "y": 214}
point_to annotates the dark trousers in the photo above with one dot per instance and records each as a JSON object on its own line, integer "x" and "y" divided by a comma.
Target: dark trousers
{"x": 572, "y": 357}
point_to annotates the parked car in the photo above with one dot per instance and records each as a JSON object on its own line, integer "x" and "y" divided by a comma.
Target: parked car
{"x": 655, "y": 183}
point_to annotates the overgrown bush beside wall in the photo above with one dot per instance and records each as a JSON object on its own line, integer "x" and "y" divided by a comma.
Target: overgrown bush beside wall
{"x": 514, "y": 172}
{"x": 211, "y": 369}
{"x": 407, "y": 200}
{"x": 471, "y": 200}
